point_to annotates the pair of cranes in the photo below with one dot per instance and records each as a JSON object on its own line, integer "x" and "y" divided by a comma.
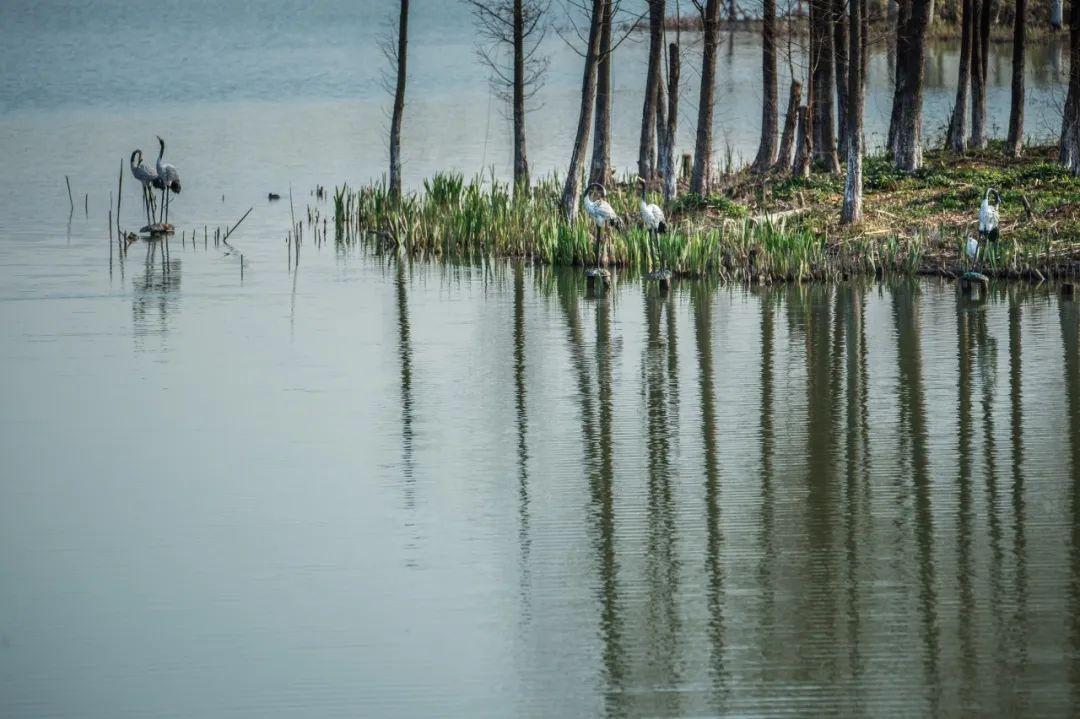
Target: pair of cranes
{"x": 602, "y": 214}
{"x": 162, "y": 176}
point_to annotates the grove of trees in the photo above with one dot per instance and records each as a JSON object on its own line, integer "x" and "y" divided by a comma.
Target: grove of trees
{"x": 823, "y": 121}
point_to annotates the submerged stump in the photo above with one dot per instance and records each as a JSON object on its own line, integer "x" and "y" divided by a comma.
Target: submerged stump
{"x": 158, "y": 228}
{"x": 969, "y": 281}
{"x": 662, "y": 278}
{"x": 597, "y": 278}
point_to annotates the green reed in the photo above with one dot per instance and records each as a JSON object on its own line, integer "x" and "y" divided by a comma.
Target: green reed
{"x": 483, "y": 217}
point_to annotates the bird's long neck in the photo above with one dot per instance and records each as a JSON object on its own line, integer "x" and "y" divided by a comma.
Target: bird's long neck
{"x": 161, "y": 152}
{"x": 133, "y": 155}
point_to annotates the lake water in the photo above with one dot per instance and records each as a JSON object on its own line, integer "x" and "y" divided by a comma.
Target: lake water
{"x": 372, "y": 488}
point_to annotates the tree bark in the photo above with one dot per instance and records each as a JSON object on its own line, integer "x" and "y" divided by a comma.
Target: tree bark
{"x": 600, "y": 169}
{"x": 571, "y": 196}
{"x": 1015, "y": 142}
{"x": 956, "y": 139}
{"x": 821, "y": 91}
{"x": 521, "y": 162}
{"x": 853, "y": 184}
{"x": 1070, "y": 125}
{"x": 901, "y": 13}
{"x": 399, "y": 102}
{"x": 666, "y": 160}
{"x": 980, "y": 50}
{"x": 841, "y": 52}
{"x": 766, "y": 154}
{"x": 787, "y": 139}
{"x": 804, "y": 146}
{"x": 907, "y": 150}
{"x": 653, "y": 96}
{"x": 702, "y": 174}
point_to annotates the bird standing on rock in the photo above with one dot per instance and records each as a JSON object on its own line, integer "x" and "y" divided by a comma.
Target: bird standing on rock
{"x": 148, "y": 178}
{"x": 169, "y": 177}
{"x": 601, "y": 213}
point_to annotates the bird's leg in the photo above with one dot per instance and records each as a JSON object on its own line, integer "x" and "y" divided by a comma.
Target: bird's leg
{"x": 168, "y": 196}
{"x": 598, "y": 246}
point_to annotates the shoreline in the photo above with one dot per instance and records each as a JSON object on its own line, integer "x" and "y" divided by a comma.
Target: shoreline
{"x": 759, "y": 229}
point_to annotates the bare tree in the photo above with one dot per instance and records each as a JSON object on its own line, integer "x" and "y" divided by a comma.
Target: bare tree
{"x": 980, "y": 58}
{"x": 398, "y": 57}
{"x": 653, "y": 92}
{"x": 853, "y": 184}
{"x": 666, "y": 159}
{"x": 820, "y": 93}
{"x": 766, "y": 154}
{"x": 908, "y": 97}
{"x": 600, "y": 168}
{"x": 701, "y": 176}
{"x": 787, "y": 138}
{"x": 1070, "y": 124}
{"x": 838, "y": 19}
{"x": 571, "y": 195}
{"x": 510, "y": 34}
{"x": 956, "y": 139}
{"x": 1015, "y": 142}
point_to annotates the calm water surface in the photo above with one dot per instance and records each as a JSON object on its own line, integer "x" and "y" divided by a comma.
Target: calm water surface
{"x": 373, "y": 488}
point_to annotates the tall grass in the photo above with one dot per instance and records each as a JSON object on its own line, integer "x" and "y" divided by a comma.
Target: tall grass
{"x": 451, "y": 218}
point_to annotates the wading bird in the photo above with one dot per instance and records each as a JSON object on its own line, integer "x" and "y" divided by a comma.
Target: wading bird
{"x": 655, "y": 222}
{"x": 169, "y": 178}
{"x": 601, "y": 213}
{"x": 971, "y": 248}
{"x": 988, "y": 216}
{"x": 148, "y": 178}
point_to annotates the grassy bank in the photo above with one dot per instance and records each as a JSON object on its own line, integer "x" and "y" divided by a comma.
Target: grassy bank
{"x": 753, "y": 228}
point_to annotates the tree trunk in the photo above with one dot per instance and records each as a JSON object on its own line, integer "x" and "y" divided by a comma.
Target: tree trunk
{"x": 702, "y": 175}
{"x": 521, "y": 162}
{"x": 787, "y": 139}
{"x": 840, "y": 58}
{"x": 660, "y": 122}
{"x": 1014, "y": 144}
{"x": 956, "y": 139}
{"x": 653, "y": 97}
{"x": 399, "y": 102}
{"x": 804, "y": 147}
{"x": 853, "y": 184}
{"x": 980, "y": 50}
{"x": 1070, "y": 125}
{"x": 900, "y": 16}
{"x": 600, "y": 168}
{"x": 571, "y": 196}
{"x": 823, "y": 86}
{"x": 668, "y": 171}
{"x": 766, "y": 155}
{"x": 907, "y": 151}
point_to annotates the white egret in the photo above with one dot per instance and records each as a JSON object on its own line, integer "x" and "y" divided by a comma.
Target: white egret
{"x": 601, "y": 213}
{"x": 971, "y": 248}
{"x": 653, "y": 218}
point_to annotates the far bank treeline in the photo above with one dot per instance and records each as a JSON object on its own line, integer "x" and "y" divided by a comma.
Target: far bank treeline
{"x": 820, "y": 135}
